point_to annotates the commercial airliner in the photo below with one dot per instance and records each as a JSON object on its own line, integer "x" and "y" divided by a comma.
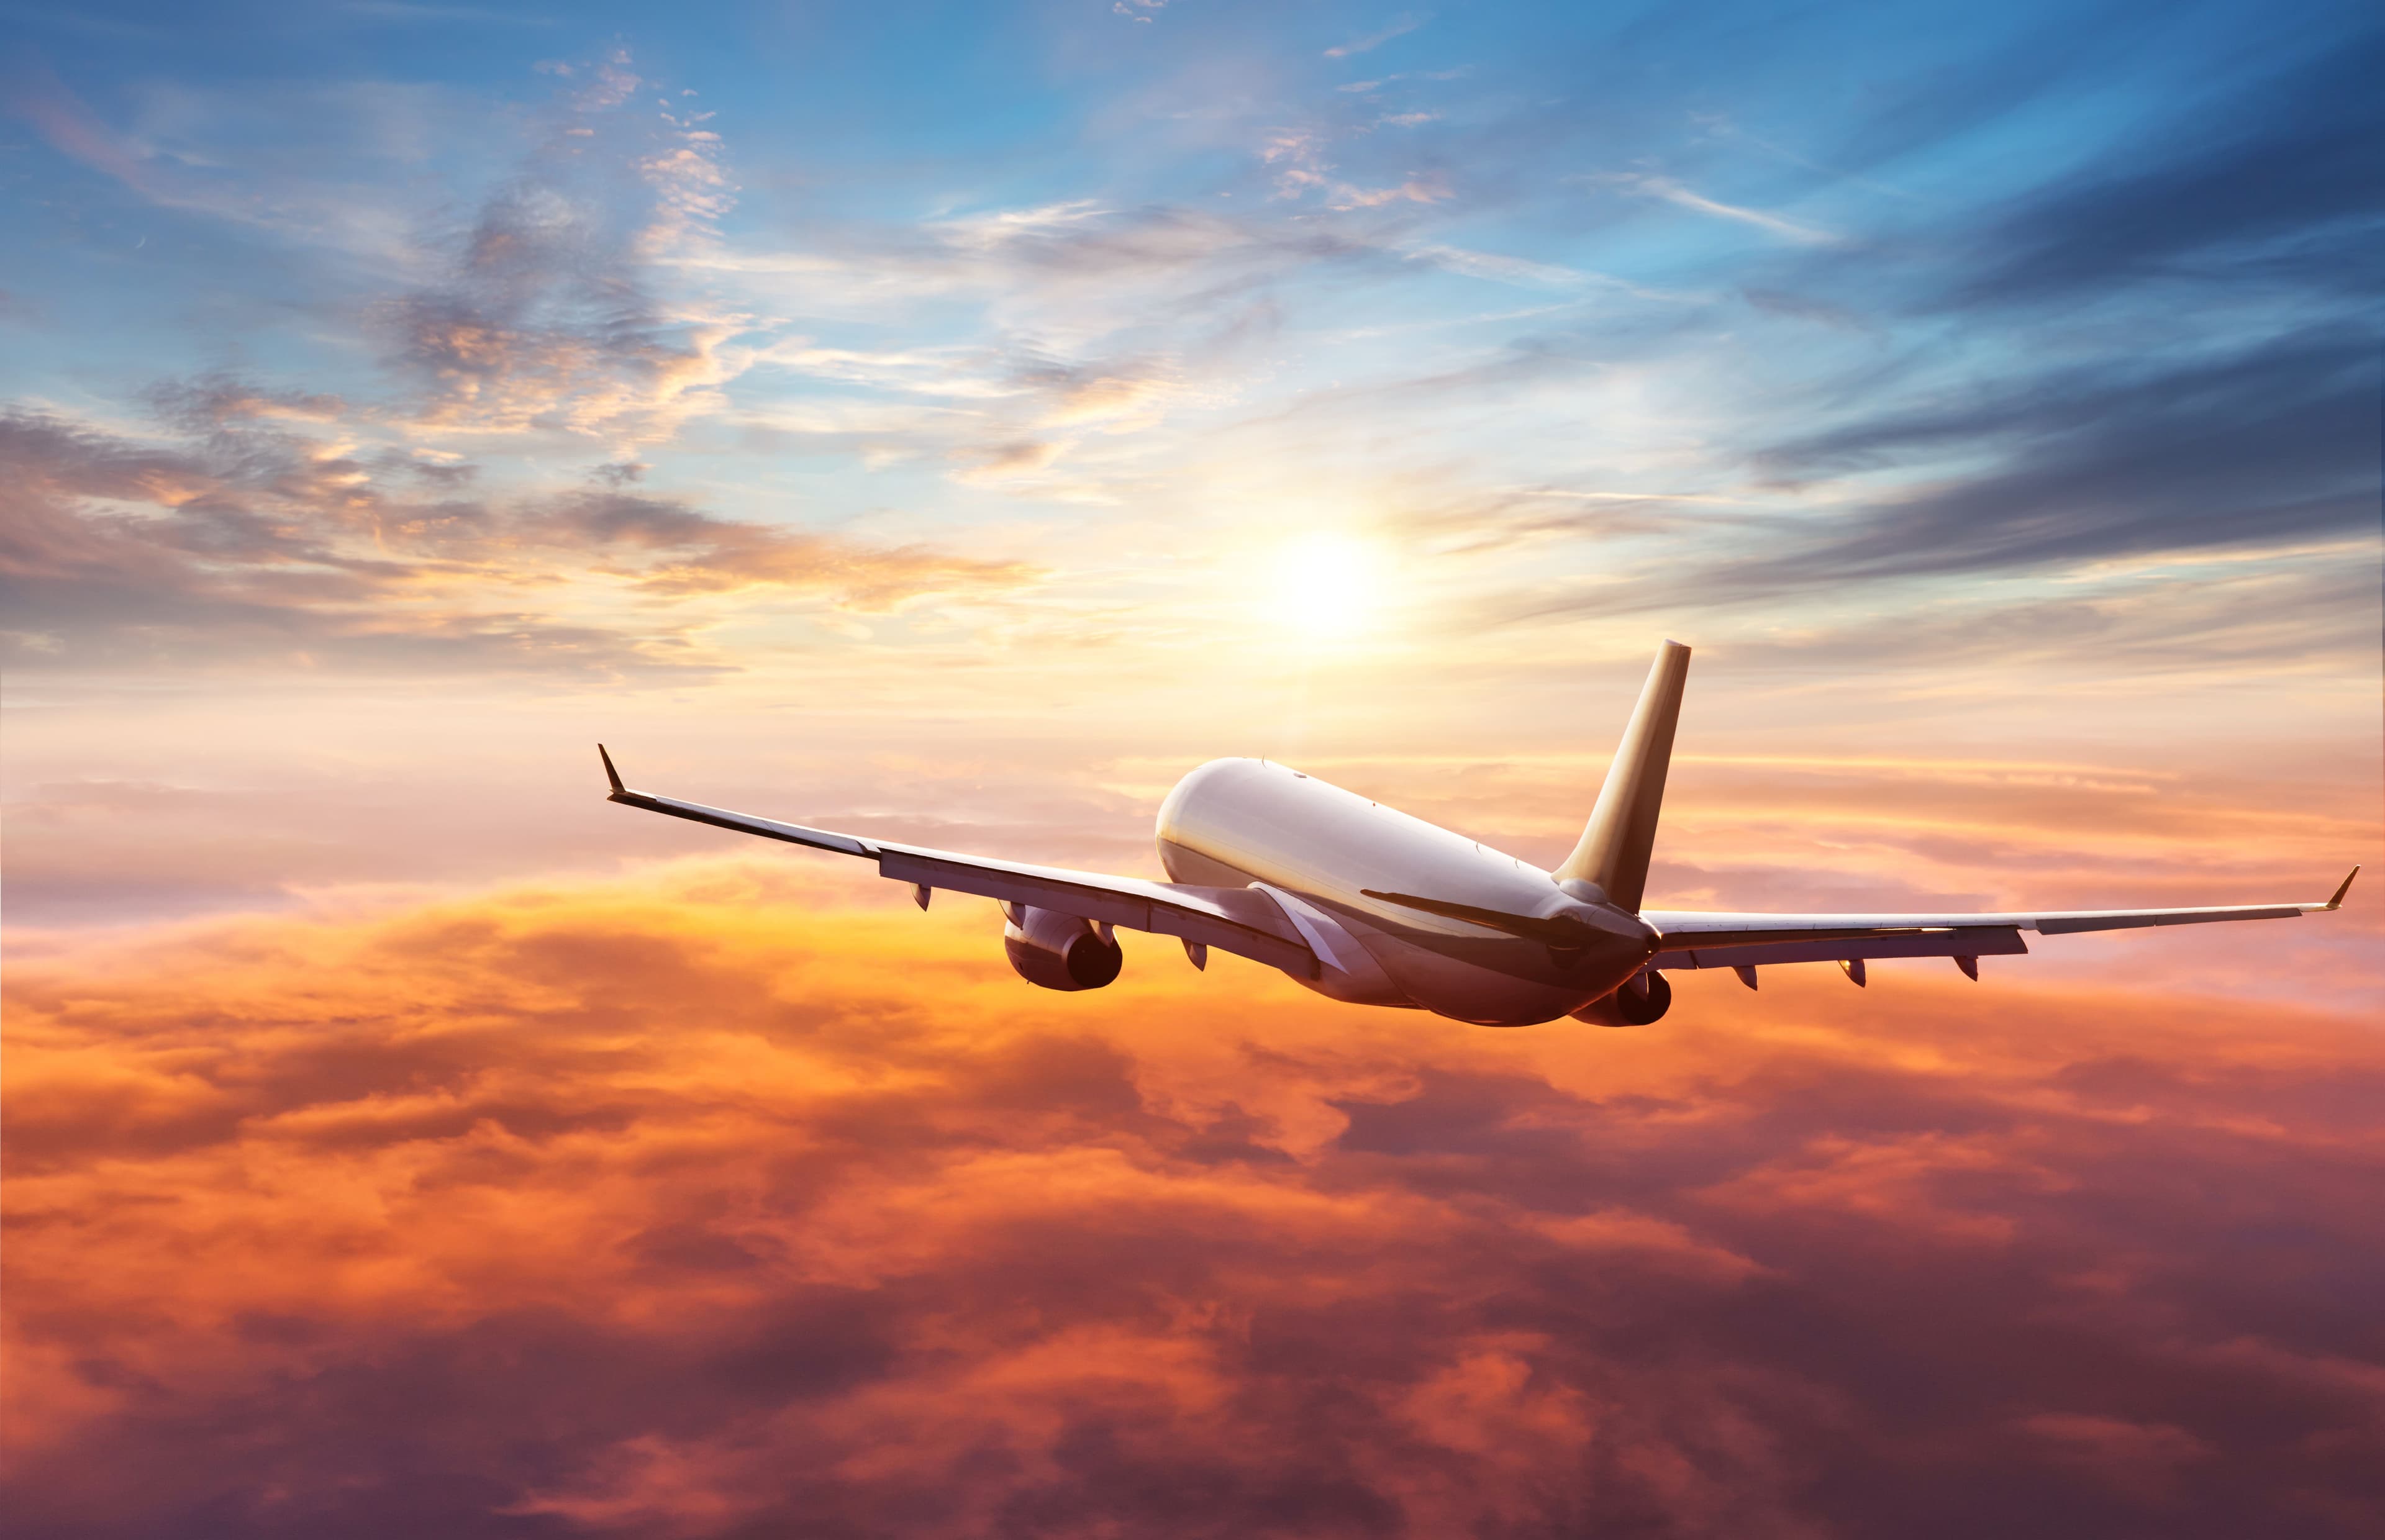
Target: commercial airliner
{"x": 1369, "y": 905}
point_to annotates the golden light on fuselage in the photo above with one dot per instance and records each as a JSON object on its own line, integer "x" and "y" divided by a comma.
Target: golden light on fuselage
{"x": 1327, "y": 584}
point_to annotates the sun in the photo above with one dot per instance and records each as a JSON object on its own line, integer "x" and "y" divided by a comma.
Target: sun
{"x": 1326, "y": 584}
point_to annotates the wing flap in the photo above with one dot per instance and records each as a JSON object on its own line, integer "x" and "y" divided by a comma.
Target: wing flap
{"x": 1669, "y": 939}
{"x": 2063, "y": 924}
{"x": 1969, "y": 941}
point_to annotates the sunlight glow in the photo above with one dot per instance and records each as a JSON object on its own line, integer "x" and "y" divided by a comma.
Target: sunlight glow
{"x": 1326, "y": 584}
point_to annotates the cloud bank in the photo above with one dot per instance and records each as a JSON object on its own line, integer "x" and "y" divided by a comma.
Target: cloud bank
{"x": 685, "y": 1208}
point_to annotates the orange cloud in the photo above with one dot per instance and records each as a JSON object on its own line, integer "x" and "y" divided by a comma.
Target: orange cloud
{"x": 719, "y": 1200}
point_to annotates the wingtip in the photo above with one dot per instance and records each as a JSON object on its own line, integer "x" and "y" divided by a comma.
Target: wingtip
{"x": 2336, "y": 901}
{"x": 610, "y": 773}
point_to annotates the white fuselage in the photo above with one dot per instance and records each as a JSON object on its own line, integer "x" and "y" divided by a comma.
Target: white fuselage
{"x": 1316, "y": 849}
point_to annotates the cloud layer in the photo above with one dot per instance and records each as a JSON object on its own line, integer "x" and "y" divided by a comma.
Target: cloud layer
{"x": 708, "y": 1205}
{"x": 244, "y": 542}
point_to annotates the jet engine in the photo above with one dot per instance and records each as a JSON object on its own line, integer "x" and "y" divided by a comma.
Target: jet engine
{"x": 1637, "y": 1001}
{"x": 1059, "y": 952}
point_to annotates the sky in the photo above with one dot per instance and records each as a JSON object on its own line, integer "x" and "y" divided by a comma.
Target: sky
{"x": 954, "y": 423}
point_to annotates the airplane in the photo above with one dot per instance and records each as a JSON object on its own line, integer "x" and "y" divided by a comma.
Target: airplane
{"x": 1365, "y": 904}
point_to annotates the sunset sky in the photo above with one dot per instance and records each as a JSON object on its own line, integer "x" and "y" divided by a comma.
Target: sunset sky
{"x": 954, "y": 423}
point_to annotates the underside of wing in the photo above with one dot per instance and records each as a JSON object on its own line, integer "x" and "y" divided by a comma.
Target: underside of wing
{"x": 1687, "y": 951}
{"x": 1238, "y": 920}
{"x": 1706, "y": 941}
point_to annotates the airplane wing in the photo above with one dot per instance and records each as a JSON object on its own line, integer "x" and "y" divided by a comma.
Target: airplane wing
{"x": 1240, "y": 920}
{"x": 1703, "y": 940}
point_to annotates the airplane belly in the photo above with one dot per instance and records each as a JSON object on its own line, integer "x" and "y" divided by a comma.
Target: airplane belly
{"x": 1472, "y": 992}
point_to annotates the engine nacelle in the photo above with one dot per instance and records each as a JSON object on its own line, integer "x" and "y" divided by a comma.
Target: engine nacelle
{"x": 1059, "y": 952}
{"x": 1637, "y": 1001}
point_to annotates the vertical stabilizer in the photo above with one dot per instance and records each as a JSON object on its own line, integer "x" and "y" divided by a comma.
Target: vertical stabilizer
{"x": 1622, "y": 829}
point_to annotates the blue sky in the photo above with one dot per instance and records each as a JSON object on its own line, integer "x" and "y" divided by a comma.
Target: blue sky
{"x": 762, "y": 380}
{"x": 1396, "y": 227}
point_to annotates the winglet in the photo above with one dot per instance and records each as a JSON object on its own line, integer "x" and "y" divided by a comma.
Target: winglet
{"x": 2336, "y": 901}
{"x": 615, "y": 776}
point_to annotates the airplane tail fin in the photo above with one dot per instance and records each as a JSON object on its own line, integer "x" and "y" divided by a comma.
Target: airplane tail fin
{"x": 1622, "y": 829}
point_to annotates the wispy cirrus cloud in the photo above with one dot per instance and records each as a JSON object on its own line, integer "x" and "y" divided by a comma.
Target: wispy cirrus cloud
{"x": 2274, "y": 189}
{"x": 256, "y": 542}
{"x": 1669, "y": 191}
{"x": 2259, "y": 447}
{"x": 31, "y": 91}
{"x": 1298, "y": 157}
{"x": 415, "y": 12}
{"x": 1399, "y": 26}
{"x": 545, "y": 317}
{"x": 227, "y": 160}
{"x": 541, "y": 313}
{"x": 1511, "y": 269}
